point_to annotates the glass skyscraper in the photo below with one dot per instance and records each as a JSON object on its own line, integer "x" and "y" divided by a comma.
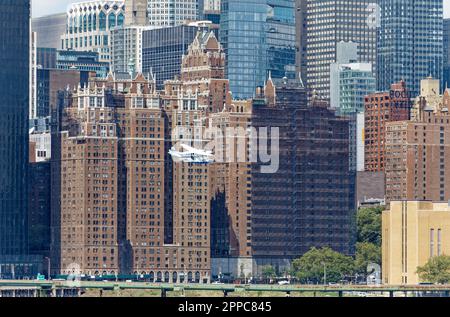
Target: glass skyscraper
{"x": 281, "y": 41}
{"x": 258, "y": 37}
{"x": 329, "y": 22}
{"x": 163, "y": 49}
{"x": 410, "y": 42}
{"x": 446, "y": 53}
{"x": 14, "y": 92}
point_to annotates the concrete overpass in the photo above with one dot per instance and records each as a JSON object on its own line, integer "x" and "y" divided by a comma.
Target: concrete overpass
{"x": 74, "y": 288}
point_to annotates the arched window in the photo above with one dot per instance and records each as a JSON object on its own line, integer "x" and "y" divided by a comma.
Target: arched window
{"x": 197, "y": 277}
{"x": 75, "y": 24}
{"x": 78, "y": 26}
{"x": 174, "y": 277}
{"x": 84, "y": 23}
{"x": 120, "y": 19}
{"x": 90, "y": 22}
{"x": 94, "y": 22}
{"x": 70, "y": 25}
{"x": 102, "y": 21}
{"x": 111, "y": 21}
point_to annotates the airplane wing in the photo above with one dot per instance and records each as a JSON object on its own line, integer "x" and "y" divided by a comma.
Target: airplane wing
{"x": 195, "y": 151}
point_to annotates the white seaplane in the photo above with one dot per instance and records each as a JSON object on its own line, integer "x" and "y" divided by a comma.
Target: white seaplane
{"x": 191, "y": 155}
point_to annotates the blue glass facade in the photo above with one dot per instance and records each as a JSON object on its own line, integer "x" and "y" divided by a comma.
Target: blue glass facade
{"x": 82, "y": 61}
{"x": 410, "y": 42}
{"x": 242, "y": 34}
{"x": 14, "y": 91}
{"x": 446, "y": 53}
{"x": 258, "y": 38}
{"x": 281, "y": 41}
{"x": 163, "y": 49}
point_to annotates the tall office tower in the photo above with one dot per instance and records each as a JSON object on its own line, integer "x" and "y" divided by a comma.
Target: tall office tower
{"x": 446, "y": 53}
{"x": 418, "y": 151}
{"x": 172, "y": 12}
{"x": 327, "y": 24}
{"x": 350, "y": 81}
{"x": 410, "y": 43}
{"x": 126, "y": 41}
{"x": 126, "y": 49}
{"x": 163, "y": 48}
{"x": 203, "y": 70}
{"x": 49, "y": 29}
{"x": 380, "y": 108}
{"x": 355, "y": 82}
{"x": 301, "y": 39}
{"x": 258, "y": 38}
{"x": 280, "y": 39}
{"x": 33, "y": 76}
{"x": 108, "y": 167}
{"x": 309, "y": 201}
{"x": 39, "y": 189}
{"x": 89, "y": 24}
{"x": 39, "y": 211}
{"x": 14, "y": 108}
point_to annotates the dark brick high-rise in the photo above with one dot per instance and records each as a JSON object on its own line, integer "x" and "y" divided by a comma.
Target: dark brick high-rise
{"x": 310, "y": 201}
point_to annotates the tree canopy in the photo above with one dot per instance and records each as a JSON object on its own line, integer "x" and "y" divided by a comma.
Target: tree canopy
{"x": 436, "y": 270}
{"x": 269, "y": 272}
{"x": 313, "y": 265}
{"x": 366, "y": 253}
{"x": 368, "y": 221}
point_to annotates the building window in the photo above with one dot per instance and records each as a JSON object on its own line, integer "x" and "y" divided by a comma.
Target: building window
{"x": 111, "y": 21}
{"x": 120, "y": 19}
{"x": 102, "y": 21}
{"x": 439, "y": 242}
{"x": 431, "y": 243}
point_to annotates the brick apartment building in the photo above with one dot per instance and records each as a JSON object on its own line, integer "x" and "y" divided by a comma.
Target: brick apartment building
{"x": 380, "y": 108}
{"x": 418, "y": 150}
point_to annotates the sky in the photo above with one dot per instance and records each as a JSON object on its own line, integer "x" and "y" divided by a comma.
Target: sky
{"x": 45, "y": 7}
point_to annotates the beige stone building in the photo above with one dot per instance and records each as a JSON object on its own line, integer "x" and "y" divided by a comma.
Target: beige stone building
{"x": 413, "y": 232}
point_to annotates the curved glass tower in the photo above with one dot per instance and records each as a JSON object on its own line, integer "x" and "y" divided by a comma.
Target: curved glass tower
{"x": 14, "y": 90}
